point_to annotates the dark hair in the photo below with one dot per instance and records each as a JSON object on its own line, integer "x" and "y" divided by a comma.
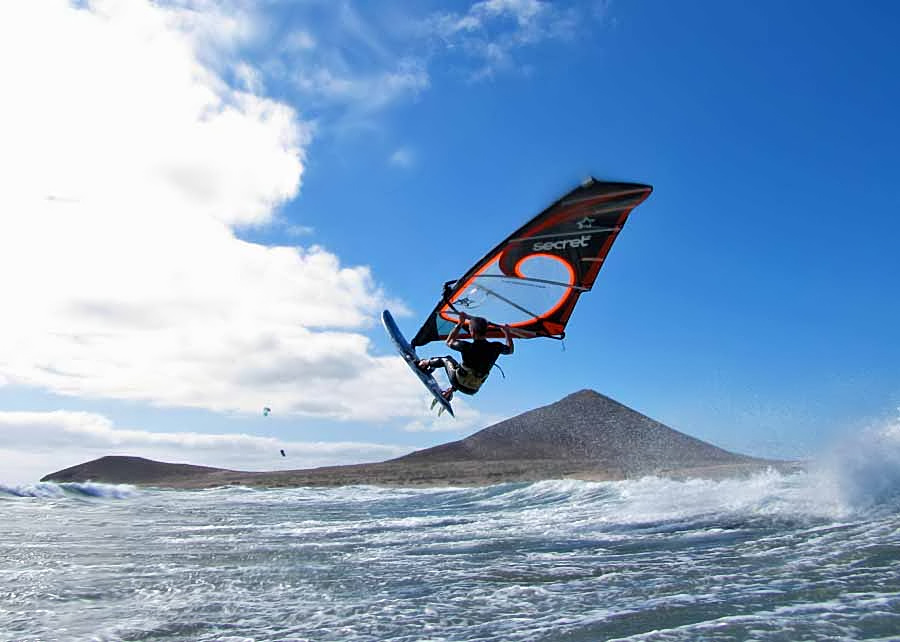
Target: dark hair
{"x": 478, "y": 326}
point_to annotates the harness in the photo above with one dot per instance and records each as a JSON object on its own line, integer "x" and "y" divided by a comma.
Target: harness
{"x": 467, "y": 381}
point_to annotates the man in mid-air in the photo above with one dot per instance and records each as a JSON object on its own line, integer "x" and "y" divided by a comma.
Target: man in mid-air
{"x": 478, "y": 356}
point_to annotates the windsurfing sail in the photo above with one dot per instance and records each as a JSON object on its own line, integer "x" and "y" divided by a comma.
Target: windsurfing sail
{"x": 532, "y": 279}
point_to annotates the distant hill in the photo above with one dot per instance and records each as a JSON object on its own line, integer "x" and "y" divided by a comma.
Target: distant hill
{"x": 584, "y": 427}
{"x": 585, "y": 435}
{"x": 114, "y": 469}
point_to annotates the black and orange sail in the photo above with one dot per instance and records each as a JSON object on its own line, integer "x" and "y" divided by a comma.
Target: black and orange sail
{"x": 533, "y": 278}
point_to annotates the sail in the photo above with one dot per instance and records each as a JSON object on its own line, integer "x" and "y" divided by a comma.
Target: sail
{"x": 533, "y": 278}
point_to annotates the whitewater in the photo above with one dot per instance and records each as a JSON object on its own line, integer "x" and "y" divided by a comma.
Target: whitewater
{"x": 812, "y": 555}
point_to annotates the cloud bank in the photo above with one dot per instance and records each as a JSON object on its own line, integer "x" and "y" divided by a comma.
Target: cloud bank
{"x": 138, "y": 140}
{"x": 49, "y": 441}
{"x": 128, "y": 164}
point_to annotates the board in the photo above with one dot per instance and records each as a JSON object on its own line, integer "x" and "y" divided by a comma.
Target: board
{"x": 410, "y": 357}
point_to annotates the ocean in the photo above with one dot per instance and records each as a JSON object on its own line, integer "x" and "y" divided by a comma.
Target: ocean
{"x": 812, "y": 555}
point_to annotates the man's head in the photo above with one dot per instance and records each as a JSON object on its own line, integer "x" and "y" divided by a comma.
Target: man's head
{"x": 478, "y": 326}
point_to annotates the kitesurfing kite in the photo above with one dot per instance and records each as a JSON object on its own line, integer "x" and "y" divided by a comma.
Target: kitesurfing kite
{"x": 533, "y": 279}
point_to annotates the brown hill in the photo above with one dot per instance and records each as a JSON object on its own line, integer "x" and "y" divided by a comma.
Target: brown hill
{"x": 114, "y": 469}
{"x": 585, "y": 435}
{"x": 584, "y": 427}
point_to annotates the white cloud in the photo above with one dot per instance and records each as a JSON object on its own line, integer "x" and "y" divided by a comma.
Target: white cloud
{"x": 112, "y": 103}
{"x": 351, "y": 60}
{"x": 524, "y": 12}
{"x": 49, "y": 441}
{"x": 364, "y": 91}
{"x": 492, "y": 31}
{"x": 300, "y": 40}
{"x": 299, "y": 230}
{"x": 249, "y": 78}
{"x": 402, "y": 157}
{"x": 127, "y": 163}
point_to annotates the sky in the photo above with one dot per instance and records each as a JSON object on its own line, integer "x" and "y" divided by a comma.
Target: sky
{"x": 206, "y": 205}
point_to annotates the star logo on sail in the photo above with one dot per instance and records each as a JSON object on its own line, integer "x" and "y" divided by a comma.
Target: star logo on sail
{"x": 586, "y": 223}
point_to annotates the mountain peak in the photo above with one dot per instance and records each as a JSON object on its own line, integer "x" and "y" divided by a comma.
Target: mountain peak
{"x": 584, "y": 426}
{"x": 584, "y": 435}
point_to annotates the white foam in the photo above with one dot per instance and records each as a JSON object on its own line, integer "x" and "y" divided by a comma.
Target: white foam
{"x": 863, "y": 471}
{"x": 55, "y": 490}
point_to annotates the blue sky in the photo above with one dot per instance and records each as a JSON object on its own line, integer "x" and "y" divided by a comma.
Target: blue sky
{"x": 214, "y": 202}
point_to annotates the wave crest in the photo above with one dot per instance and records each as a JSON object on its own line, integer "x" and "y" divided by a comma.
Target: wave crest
{"x": 51, "y": 490}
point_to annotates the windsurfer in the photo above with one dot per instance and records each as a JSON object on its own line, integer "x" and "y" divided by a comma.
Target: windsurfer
{"x": 478, "y": 356}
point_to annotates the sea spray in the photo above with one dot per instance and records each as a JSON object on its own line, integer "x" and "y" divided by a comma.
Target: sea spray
{"x": 862, "y": 471}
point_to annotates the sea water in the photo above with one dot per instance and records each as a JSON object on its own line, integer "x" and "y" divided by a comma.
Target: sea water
{"x": 807, "y": 556}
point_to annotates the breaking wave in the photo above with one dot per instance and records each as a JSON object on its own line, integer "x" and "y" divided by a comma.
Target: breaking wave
{"x": 51, "y": 490}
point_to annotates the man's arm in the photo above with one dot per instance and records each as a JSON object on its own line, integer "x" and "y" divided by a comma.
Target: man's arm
{"x": 509, "y": 342}
{"x": 451, "y": 338}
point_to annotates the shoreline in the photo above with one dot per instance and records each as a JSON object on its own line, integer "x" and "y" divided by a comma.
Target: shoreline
{"x": 147, "y": 473}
